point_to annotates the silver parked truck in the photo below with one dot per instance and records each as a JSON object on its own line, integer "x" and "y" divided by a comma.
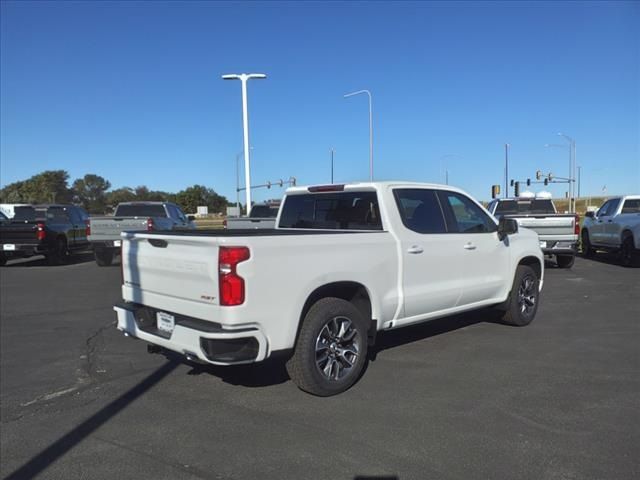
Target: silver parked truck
{"x": 104, "y": 232}
{"x": 557, "y": 232}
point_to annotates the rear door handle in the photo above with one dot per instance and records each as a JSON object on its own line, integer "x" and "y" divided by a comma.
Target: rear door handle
{"x": 469, "y": 246}
{"x": 415, "y": 249}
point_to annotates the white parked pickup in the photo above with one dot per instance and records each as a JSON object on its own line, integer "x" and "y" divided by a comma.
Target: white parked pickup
{"x": 343, "y": 263}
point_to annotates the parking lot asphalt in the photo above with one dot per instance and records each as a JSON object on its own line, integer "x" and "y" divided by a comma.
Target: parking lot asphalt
{"x": 457, "y": 398}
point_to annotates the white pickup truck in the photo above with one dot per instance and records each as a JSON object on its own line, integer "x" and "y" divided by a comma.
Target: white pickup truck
{"x": 344, "y": 262}
{"x": 614, "y": 227}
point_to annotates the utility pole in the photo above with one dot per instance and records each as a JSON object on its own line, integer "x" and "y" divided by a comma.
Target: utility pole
{"x": 506, "y": 170}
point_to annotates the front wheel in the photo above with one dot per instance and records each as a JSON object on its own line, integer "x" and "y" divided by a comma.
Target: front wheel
{"x": 587, "y": 249}
{"x": 629, "y": 256}
{"x": 565, "y": 261}
{"x": 331, "y": 349}
{"x": 522, "y": 304}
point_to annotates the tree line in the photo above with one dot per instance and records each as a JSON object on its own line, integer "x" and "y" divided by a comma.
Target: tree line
{"x": 94, "y": 193}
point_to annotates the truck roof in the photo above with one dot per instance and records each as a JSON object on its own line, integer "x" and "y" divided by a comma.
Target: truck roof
{"x": 144, "y": 203}
{"x": 373, "y": 185}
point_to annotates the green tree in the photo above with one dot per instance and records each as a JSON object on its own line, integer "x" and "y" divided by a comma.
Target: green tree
{"x": 46, "y": 187}
{"x": 198, "y": 195}
{"x": 119, "y": 195}
{"x": 90, "y": 191}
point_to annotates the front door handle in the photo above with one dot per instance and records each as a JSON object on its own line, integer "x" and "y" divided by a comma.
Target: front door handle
{"x": 415, "y": 249}
{"x": 469, "y": 246}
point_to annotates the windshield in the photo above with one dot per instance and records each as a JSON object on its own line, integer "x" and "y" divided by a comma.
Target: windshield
{"x": 141, "y": 210}
{"x": 525, "y": 207}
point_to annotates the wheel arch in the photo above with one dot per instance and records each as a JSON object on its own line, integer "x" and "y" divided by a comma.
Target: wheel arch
{"x": 354, "y": 292}
{"x": 534, "y": 263}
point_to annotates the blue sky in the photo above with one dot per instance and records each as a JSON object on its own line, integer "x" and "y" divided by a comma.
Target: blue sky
{"x": 132, "y": 91}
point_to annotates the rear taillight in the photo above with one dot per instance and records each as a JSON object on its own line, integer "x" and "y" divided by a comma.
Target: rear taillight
{"x": 150, "y": 224}
{"x": 40, "y": 232}
{"x": 576, "y": 225}
{"x": 230, "y": 283}
{"x": 87, "y": 227}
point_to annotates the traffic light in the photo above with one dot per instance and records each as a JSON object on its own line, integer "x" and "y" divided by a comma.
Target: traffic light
{"x": 546, "y": 181}
{"x": 516, "y": 191}
{"x": 528, "y": 182}
{"x": 280, "y": 182}
{"x": 538, "y": 174}
{"x": 495, "y": 191}
{"x": 268, "y": 184}
{"x": 512, "y": 182}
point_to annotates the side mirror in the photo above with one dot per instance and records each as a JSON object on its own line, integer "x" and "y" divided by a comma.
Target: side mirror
{"x": 590, "y": 214}
{"x": 191, "y": 218}
{"x": 506, "y": 226}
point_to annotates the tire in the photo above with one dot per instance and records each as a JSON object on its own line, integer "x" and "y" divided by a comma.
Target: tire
{"x": 3, "y": 260}
{"x": 565, "y": 261}
{"x": 104, "y": 258}
{"x": 587, "y": 248}
{"x": 59, "y": 254}
{"x": 522, "y": 304}
{"x": 333, "y": 335}
{"x": 629, "y": 256}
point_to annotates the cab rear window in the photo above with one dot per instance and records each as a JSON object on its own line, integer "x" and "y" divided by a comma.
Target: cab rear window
{"x": 332, "y": 211}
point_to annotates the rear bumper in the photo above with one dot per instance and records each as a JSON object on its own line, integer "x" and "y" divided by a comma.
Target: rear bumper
{"x": 559, "y": 247}
{"x": 207, "y": 341}
{"x": 24, "y": 250}
{"x": 100, "y": 245}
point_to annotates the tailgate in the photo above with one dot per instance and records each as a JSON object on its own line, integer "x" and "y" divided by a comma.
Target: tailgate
{"x": 21, "y": 233}
{"x": 545, "y": 225}
{"x": 109, "y": 228}
{"x": 171, "y": 267}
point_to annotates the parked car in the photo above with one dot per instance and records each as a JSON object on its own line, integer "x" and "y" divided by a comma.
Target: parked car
{"x": 614, "y": 227}
{"x": 261, "y": 217}
{"x": 344, "y": 262}
{"x": 104, "y": 232}
{"x": 558, "y": 233}
{"x": 54, "y": 231}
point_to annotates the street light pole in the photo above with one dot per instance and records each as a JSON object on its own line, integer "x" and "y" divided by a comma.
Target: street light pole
{"x": 244, "y": 78}
{"x": 238, "y": 179}
{"x": 332, "y": 152}
{"x": 370, "y": 129}
{"x": 572, "y": 171}
{"x": 506, "y": 170}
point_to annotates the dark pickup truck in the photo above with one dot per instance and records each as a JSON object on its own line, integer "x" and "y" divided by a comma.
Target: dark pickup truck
{"x": 54, "y": 231}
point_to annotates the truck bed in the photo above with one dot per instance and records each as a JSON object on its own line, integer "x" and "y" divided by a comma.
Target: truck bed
{"x": 267, "y": 232}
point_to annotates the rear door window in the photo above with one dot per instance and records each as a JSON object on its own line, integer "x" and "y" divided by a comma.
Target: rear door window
{"x": 332, "y": 211}
{"x": 631, "y": 206}
{"x": 420, "y": 210}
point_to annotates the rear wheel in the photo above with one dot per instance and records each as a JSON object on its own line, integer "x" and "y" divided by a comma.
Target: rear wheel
{"x": 331, "y": 350}
{"x": 522, "y": 304}
{"x": 565, "y": 261}
{"x": 587, "y": 248}
{"x": 629, "y": 256}
{"x": 104, "y": 258}
{"x": 59, "y": 254}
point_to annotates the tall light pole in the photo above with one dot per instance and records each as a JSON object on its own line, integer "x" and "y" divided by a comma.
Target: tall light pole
{"x": 572, "y": 170}
{"x": 332, "y": 153}
{"x": 238, "y": 179}
{"x": 579, "y": 167}
{"x": 370, "y": 129}
{"x": 506, "y": 170}
{"x": 244, "y": 78}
